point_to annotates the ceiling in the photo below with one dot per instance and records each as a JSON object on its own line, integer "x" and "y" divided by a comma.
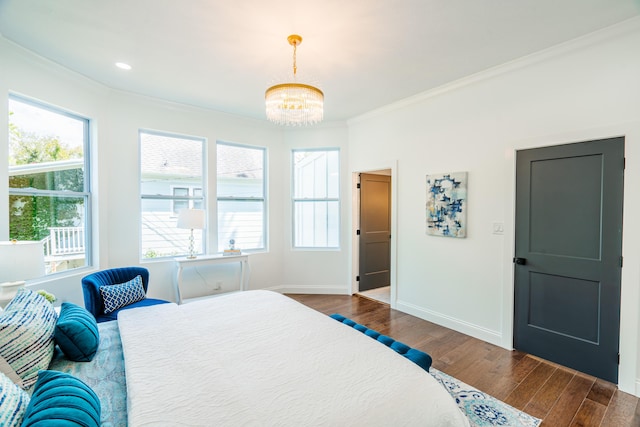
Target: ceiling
{"x": 363, "y": 54}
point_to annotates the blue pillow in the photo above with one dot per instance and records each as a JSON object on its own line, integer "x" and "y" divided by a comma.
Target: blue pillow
{"x": 77, "y": 333}
{"x": 118, "y": 296}
{"x": 61, "y": 399}
{"x": 13, "y": 402}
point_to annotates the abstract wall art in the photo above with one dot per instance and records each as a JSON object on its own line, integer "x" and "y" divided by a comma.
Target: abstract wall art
{"x": 447, "y": 204}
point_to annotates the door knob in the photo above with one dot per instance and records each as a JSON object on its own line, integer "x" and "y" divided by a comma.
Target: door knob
{"x": 520, "y": 261}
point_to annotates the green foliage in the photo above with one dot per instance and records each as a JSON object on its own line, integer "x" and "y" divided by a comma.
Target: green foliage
{"x": 47, "y": 295}
{"x": 27, "y": 147}
{"x": 150, "y": 253}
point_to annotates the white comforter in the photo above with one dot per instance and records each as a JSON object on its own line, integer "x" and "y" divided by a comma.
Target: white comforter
{"x": 258, "y": 358}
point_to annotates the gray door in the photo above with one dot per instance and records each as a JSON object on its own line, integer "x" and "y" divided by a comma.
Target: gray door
{"x": 375, "y": 231}
{"x": 569, "y": 254}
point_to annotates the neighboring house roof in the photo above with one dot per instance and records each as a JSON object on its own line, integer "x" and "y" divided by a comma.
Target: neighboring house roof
{"x": 240, "y": 162}
{"x": 162, "y": 156}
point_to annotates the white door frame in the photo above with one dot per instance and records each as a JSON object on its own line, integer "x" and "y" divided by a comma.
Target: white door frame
{"x": 355, "y": 225}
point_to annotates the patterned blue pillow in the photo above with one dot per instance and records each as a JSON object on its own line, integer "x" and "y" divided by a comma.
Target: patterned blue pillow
{"x": 26, "y": 334}
{"x": 61, "y": 399}
{"x": 118, "y": 296}
{"x": 13, "y": 402}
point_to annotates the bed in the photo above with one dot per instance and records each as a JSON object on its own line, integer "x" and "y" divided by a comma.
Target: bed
{"x": 253, "y": 358}
{"x": 260, "y": 358}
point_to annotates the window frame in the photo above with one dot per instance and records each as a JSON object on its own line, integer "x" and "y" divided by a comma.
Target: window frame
{"x": 86, "y": 194}
{"x": 190, "y": 199}
{"x": 264, "y": 198}
{"x": 295, "y": 200}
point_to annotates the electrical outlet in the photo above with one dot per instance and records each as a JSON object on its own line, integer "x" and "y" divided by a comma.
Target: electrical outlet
{"x": 498, "y": 227}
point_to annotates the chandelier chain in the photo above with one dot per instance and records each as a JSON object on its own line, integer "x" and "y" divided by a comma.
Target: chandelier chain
{"x": 295, "y": 68}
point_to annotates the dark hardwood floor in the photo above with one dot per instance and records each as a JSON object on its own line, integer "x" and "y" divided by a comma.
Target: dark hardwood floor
{"x": 559, "y": 396}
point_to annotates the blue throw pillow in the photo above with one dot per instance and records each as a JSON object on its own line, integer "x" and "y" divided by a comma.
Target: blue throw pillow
{"x": 77, "y": 333}
{"x": 118, "y": 296}
{"x": 13, "y": 402}
{"x": 61, "y": 399}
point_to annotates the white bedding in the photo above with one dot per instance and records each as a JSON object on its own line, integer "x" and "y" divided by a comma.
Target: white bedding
{"x": 258, "y": 358}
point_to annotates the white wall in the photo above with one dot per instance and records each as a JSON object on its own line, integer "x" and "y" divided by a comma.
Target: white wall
{"x": 116, "y": 119}
{"x": 586, "y": 89}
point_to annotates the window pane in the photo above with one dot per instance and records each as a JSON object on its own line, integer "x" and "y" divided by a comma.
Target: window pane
{"x": 58, "y": 222}
{"x": 47, "y": 150}
{"x": 316, "y": 174}
{"x": 317, "y": 224}
{"x": 241, "y": 221}
{"x": 316, "y": 180}
{"x": 68, "y": 177}
{"x": 160, "y": 236}
{"x": 167, "y": 161}
{"x": 171, "y": 180}
{"x": 240, "y": 171}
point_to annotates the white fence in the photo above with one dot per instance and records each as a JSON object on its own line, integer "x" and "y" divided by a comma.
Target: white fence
{"x": 64, "y": 241}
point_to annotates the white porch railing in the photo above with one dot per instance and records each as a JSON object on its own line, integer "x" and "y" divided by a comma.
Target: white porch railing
{"x": 64, "y": 241}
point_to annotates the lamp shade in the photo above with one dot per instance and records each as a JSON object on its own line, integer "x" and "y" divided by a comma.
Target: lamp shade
{"x": 191, "y": 219}
{"x": 21, "y": 260}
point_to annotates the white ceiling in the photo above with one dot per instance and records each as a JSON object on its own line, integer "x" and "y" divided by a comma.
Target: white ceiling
{"x": 363, "y": 54}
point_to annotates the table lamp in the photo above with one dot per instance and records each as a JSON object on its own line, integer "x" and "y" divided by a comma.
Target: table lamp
{"x": 191, "y": 219}
{"x": 19, "y": 261}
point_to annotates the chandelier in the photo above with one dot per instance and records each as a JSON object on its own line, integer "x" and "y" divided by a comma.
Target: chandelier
{"x": 293, "y": 103}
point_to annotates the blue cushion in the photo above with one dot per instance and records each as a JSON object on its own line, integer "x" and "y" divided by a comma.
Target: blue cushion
{"x": 26, "y": 341}
{"x": 77, "y": 333}
{"x": 123, "y": 294}
{"x": 13, "y": 402}
{"x": 60, "y": 399}
{"x": 418, "y": 357}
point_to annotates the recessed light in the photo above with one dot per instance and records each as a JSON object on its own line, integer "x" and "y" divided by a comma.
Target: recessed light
{"x": 123, "y": 66}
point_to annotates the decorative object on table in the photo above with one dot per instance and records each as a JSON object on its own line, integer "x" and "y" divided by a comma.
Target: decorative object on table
{"x": 94, "y": 302}
{"x": 447, "y": 204}
{"x": 232, "y": 249}
{"x": 19, "y": 261}
{"x": 294, "y": 103}
{"x": 191, "y": 219}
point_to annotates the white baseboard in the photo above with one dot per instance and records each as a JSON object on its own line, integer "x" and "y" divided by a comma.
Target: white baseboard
{"x": 484, "y": 334}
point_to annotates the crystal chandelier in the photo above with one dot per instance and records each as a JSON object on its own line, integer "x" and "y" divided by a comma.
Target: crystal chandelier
{"x": 294, "y": 104}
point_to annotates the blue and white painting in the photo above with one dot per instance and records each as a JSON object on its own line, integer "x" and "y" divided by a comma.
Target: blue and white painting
{"x": 447, "y": 204}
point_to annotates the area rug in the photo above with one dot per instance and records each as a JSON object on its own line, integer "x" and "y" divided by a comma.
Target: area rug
{"x": 481, "y": 408}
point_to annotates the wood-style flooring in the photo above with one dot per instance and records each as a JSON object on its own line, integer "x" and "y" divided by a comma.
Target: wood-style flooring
{"x": 559, "y": 396}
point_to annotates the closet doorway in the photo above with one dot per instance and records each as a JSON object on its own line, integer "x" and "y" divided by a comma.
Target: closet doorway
{"x": 374, "y": 235}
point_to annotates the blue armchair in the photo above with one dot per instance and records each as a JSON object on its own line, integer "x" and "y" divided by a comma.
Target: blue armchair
{"x": 93, "y": 298}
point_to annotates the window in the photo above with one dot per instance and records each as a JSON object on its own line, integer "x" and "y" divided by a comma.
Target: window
{"x": 194, "y": 202}
{"x": 316, "y": 198}
{"x": 171, "y": 179}
{"x": 49, "y": 188}
{"x": 241, "y": 196}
